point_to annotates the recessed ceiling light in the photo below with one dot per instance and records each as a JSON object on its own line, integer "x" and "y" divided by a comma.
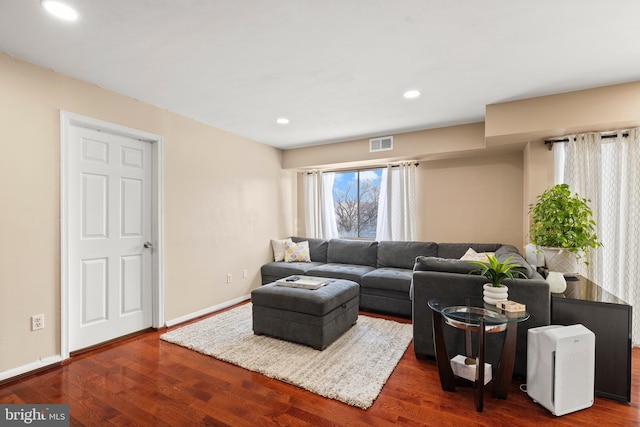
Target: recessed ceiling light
{"x": 410, "y": 94}
{"x": 282, "y": 121}
{"x": 60, "y": 10}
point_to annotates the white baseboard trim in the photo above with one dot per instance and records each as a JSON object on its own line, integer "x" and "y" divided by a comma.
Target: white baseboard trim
{"x": 206, "y": 311}
{"x": 52, "y": 360}
{"x": 31, "y": 367}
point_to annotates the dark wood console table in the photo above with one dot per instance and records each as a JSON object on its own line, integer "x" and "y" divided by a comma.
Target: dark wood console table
{"x": 609, "y": 318}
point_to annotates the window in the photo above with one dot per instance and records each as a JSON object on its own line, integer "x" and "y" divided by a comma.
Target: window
{"x": 355, "y": 197}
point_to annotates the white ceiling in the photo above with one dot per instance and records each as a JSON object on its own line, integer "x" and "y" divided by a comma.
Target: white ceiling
{"x": 336, "y": 68}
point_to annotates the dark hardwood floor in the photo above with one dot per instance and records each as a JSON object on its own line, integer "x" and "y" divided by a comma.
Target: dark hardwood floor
{"x": 148, "y": 382}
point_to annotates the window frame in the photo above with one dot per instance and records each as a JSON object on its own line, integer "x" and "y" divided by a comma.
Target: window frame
{"x": 358, "y": 225}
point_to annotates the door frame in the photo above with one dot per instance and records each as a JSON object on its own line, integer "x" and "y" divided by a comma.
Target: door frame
{"x": 68, "y": 119}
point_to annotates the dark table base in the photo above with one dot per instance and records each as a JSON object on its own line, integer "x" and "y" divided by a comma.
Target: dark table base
{"x": 504, "y": 371}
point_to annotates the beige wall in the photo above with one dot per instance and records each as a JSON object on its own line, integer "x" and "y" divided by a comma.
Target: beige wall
{"x": 426, "y": 144}
{"x": 472, "y": 199}
{"x": 224, "y": 198}
{"x": 591, "y": 110}
{"x": 538, "y": 176}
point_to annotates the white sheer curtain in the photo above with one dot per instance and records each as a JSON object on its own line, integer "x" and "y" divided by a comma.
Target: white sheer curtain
{"x": 558, "y": 162}
{"x": 396, "y": 206}
{"x": 320, "y": 215}
{"x": 607, "y": 171}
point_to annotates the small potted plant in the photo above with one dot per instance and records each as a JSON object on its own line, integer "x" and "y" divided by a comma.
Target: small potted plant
{"x": 562, "y": 226}
{"x": 496, "y": 272}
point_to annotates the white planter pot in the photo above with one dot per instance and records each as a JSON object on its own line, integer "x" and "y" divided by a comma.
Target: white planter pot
{"x": 492, "y": 294}
{"x": 556, "y": 281}
{"x": 558, "y": 259}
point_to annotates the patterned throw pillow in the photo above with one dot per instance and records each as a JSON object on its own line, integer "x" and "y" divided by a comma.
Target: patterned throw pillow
{"x": 472, "y": 255}
{"x": 296, "y": 252}
{"x": 278, "y": 248}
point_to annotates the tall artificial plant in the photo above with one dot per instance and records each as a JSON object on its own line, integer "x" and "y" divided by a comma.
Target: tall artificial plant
{"x": 561, "y": 219}
{"x": 496, "y": 272}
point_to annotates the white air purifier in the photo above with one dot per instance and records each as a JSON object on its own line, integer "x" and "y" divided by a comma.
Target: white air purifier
{"x": 561, "y": 367}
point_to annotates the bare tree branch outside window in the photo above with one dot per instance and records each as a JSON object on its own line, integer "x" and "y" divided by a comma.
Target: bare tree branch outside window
{"x": 355, "y": 196}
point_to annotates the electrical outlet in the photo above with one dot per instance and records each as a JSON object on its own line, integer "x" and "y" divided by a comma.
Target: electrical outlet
{"x": 244, "y": 273}
{"x": 37, "y": 322}
{"x": 228, "y": 277}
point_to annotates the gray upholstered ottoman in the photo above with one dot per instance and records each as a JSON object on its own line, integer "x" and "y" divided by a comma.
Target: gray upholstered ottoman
{"x": 311, "y": 317}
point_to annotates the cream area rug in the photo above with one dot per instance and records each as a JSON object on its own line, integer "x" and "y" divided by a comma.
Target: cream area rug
{"x": 352, "y": 370}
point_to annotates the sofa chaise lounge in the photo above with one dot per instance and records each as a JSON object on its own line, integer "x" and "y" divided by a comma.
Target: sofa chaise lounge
{"x": 447, "y": 277}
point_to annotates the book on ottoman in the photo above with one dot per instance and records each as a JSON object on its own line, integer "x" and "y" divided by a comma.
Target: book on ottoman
{"x": 303, "y": 282}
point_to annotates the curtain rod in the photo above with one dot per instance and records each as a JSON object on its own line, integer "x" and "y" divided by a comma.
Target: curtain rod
{"x": 550, "y": 142}
{"x": 395, "y": 166}
{"x": 359, "y": 169}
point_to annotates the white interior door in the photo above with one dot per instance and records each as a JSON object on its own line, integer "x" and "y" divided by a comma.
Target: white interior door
{"x": 109, "y": 235}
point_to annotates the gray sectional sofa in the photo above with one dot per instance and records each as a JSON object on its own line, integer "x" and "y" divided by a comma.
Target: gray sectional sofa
{"x": 399, "y": 278}
{"x": 382, "y": 269}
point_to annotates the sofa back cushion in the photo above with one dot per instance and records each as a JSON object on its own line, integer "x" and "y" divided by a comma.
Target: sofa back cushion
{"x": 444, "y": 265}
{"x": 403, "y": 254}
{"x": 506, "y": 251}
{"x": 317, "y": 248}
{"x": 457, "y": 250}
{"x": 358, "y": 252}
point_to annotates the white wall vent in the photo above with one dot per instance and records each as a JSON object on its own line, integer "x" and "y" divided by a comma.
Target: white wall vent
{"x": 384, "y": 143}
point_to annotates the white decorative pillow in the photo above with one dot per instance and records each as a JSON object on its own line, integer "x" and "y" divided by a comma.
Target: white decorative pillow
{"x": 297, "y": 252}
{"x": 278, "y": 248}
{"x": 472, "y": 255}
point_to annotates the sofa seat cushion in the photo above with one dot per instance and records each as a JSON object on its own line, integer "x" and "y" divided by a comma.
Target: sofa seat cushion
{"x": 282, "y": 269}
{"x": 388, "y": 279}
{"x": 341, "y": 271}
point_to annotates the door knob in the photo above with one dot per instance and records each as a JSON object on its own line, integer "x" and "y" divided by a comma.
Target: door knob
{"x": 148, "y": 245}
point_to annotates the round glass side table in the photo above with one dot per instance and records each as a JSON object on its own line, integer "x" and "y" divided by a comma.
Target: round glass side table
{"x": 472, "y": 315}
